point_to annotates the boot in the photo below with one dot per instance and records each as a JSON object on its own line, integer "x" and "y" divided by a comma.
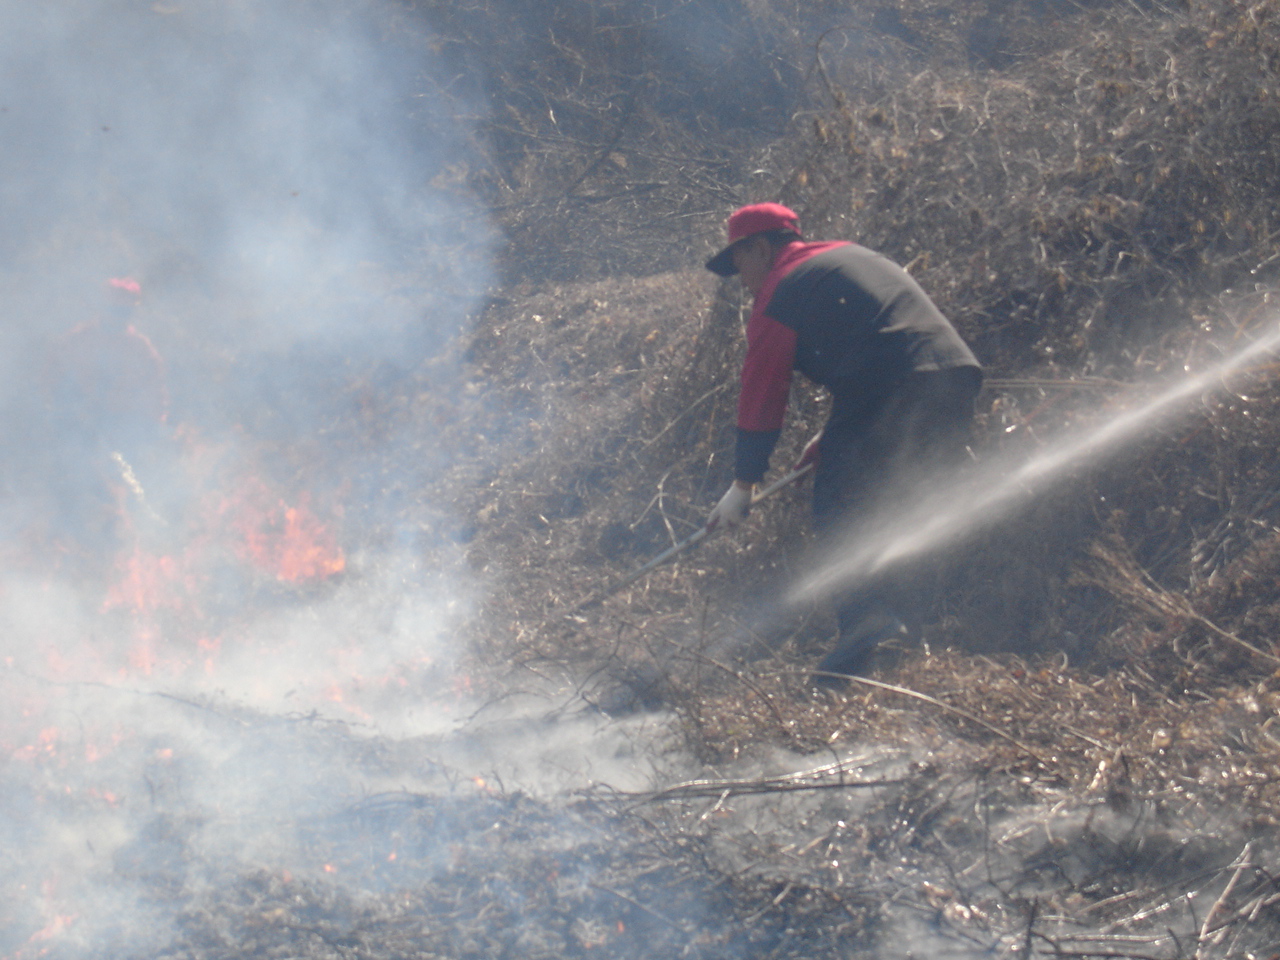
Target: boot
{"x": 854, "y": 649}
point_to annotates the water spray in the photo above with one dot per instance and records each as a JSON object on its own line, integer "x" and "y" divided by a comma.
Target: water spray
{"x": 991, "y": 491}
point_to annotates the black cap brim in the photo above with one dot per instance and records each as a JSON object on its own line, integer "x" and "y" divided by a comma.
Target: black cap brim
{"x": 722, "y": 262}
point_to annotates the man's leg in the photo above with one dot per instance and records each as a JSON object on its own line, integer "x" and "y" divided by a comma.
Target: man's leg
{"x": 879, "y": 464}
{"x": 847, "y": 491}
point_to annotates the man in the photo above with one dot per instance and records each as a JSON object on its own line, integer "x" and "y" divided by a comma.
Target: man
{"x": 107, "y": 380}
{"x": 902, "y": 382}
{"x": 108, "y": 400}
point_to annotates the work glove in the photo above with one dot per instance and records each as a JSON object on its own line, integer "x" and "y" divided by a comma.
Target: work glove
{"x": 732, "y": 508}
{"x": 812, "y": 453}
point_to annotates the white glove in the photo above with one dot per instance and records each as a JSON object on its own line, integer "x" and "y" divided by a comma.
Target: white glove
{"x": 732, "y": 508}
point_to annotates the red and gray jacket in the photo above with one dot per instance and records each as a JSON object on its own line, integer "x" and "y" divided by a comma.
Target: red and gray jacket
{"x": 847, "y": 318}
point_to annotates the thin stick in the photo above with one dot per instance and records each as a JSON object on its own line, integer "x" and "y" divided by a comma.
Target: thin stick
{"x": 637, "y": 904}
{"x": 689, "y": 409}
{"x": 945, "y": 706}
{"x": 135, "y": 486}
{"x": 1242, "y": 864}
{"x": 816, "y": 778}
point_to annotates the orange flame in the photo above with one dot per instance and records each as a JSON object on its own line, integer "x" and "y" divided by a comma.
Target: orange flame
{"x": 46, "y": 745}
{"x": 290, "y": 542}
{"x": 307, "y": 550}
{"x": 56, "y": 927}
{"x": 147, "y": 583}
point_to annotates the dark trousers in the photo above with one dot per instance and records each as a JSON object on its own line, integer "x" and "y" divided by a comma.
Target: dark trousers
{"x": 878, "y": 457}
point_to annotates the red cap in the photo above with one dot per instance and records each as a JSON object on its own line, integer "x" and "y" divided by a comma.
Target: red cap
{"x": 127, "y": 284}
{"x": 747, "y": 222}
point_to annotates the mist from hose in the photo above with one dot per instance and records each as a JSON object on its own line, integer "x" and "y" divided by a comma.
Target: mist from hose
{"x": 995, "y": 489}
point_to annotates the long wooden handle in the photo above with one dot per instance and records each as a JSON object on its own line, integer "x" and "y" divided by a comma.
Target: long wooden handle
{"x": 691, "y": 541}
{"x": 781, "y": 482}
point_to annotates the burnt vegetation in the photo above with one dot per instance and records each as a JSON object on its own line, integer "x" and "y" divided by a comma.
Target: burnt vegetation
{"x": 1080, "y": 758}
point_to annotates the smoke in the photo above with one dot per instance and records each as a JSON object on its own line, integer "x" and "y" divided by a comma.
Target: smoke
{"x": 259, "y": 147}
{"x": 211, "y": 571}
{"x": 264, "y": 169}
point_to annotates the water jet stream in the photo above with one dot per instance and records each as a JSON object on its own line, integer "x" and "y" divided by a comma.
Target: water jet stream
{"x": 991, "y": 491}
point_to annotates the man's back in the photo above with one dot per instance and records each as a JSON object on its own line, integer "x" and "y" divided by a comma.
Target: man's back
{"x": 861, "y": 320}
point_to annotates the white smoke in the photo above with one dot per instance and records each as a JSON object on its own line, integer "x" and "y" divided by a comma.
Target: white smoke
{"x": 264, "y": 169}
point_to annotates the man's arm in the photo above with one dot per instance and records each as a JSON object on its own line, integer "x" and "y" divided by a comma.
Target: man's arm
{"x": 766, "y": 387}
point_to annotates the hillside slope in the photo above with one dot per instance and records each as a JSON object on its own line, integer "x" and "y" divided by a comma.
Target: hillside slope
{"x": 1096, "y": 209}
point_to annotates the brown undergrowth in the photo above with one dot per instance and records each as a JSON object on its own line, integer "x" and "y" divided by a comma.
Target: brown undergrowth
{"x": 1109, "y": 644}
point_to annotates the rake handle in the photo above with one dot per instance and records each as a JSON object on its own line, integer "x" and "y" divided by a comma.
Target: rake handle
{"x": 691, "y": 541}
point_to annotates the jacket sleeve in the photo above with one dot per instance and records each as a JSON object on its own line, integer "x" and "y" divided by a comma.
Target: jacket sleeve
{"x": 766, "y": 385}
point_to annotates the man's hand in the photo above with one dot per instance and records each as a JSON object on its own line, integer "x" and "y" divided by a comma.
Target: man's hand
{"x": 812, "y": 453}
{"x": 732, "y": 508}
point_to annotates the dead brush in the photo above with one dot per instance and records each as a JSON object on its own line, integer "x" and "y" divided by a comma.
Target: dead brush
{"x": 1094, "y": 708}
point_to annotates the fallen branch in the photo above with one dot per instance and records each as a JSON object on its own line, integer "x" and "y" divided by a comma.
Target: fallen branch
{"x": 816, "y": 778}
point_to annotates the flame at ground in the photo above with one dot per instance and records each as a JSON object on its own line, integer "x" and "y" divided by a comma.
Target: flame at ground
{"x": 307, "y": 549}
{"x": 288, "y": 542}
